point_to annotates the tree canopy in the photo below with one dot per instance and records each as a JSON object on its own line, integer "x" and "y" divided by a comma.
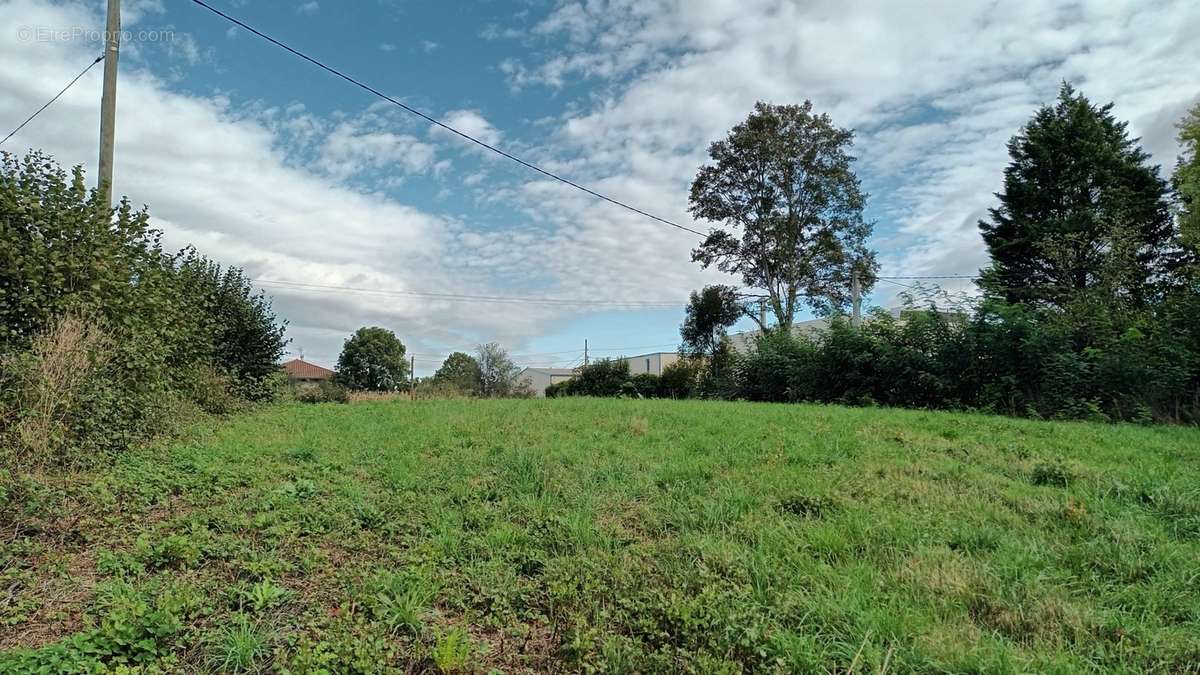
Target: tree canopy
{"x": 461, "y": 371}
{"x": 1081, "y": 208}
{"x": 498, "y": 373}
{"x": 710, "y": 313}
{"x": 782, "y": 183}
{"x": 373, "y": 360}
{"x": 103, "y": 334}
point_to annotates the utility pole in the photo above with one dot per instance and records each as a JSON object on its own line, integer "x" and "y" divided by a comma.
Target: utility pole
{"x": 412, "y": 376}
{"x": 585, "y": 354}
{"x": 856, "y": 300}
{"x": 108, "y": 103}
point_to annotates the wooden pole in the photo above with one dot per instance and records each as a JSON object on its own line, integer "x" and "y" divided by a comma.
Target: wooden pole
{"x": 108, "y": 102}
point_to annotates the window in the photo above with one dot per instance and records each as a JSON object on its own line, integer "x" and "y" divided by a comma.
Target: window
{"x": 647, "y": 365}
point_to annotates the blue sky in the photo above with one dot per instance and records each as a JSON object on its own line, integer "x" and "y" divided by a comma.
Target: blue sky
{"x": 263, "y": 161}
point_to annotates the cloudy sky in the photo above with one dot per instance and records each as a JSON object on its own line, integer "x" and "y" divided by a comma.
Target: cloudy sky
{"x": 262, "y": 161}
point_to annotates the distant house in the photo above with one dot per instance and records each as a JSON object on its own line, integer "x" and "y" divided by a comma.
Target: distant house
{"x": 300, "y": 371}
{"x": 539, "y": 379}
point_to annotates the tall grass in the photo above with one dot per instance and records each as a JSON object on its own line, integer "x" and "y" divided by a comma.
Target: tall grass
{"x": 42, "y": 389}
{"x": 586, "y": 535}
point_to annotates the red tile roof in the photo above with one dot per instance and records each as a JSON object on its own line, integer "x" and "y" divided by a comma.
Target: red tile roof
{"x": 299, "y": 369}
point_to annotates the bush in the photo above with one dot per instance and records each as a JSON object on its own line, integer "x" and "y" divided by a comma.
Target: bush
{"x": 604, "y": 377}
{"x": 105, "y": 339}
{"x": 646, "y": 385}
{"x": 681, "y": 379}
{"x": 781, "y": 367}
{"x": 322, "y": 392}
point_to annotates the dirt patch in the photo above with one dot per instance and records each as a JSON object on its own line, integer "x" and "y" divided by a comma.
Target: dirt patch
{"x": 61, "y": 602}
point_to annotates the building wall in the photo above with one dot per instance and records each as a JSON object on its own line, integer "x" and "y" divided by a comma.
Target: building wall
{"x": 539, "y": 379}
{"x": 650, "y": 363}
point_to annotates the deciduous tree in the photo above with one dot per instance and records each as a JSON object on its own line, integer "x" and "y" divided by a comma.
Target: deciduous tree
{"x": 498, "y": 373}
{"x": 373, "y": 360}
{"x": 782, "y": 183}
{"x": 460, "y": 371}
{"x": 710, "y": 313}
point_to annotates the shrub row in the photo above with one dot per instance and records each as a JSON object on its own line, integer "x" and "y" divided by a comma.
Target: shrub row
{"x": 1100, "y": 364}
{"x": 610, "y": 377}
{"x": 1004, "y": 358}
{"x": 106, "y": 339}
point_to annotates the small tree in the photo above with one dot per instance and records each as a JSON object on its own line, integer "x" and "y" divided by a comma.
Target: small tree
{"x": 373, "y": 360}
{"x": 782, "y": 182}
{"x": 460, "y": 371}
{"x": 244, "y": 338}
{"x": 710, "y": 313}
{"x": 497, "y": 372}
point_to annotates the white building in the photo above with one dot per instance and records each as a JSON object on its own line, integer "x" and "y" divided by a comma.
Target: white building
{"x": 649, "y": 363}
{"x": 541, "y": 378}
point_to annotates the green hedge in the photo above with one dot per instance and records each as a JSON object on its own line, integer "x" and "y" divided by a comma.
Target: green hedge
{"x": 105, "y": 338}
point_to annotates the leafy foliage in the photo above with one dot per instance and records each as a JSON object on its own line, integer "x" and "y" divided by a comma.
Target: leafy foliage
{"x": 603, "y": 377}
{"x": 1091, "y": 309}
{"x": 372, "y": 359}
{"x": 497, "y": 373}
{"x": 167, "y": 332}
{"x": 783, "y": 179}
{"x": 460, "y": 371}
{"x": 1081, "y": 210}
{"x": 1006, "y": 359}
{"x": 1187, "y": 180}
{"x": 710, "y": 313}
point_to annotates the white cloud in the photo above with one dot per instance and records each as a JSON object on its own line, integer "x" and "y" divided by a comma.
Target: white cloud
{"x": 311, "y": 7}
{"x": 349, "y": 150}
{"x": 934, "y": 88}
{"x": 223, "y": 180}
{"x": 471, "y": 123}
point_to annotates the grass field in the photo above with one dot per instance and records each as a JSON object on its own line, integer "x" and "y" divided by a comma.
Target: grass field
{"x": 615, "y": 536}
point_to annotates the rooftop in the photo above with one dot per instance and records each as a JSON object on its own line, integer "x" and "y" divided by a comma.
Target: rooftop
{"x": 299, "y": 369}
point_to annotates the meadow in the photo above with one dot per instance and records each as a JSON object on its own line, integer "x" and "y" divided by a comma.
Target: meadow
{"x": 616, "y": 535}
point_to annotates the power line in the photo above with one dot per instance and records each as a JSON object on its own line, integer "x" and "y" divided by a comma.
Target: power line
{"x": 439, "y": 123}
{"x": 537, "y": 355}
{"x": 932, "y": 276}
{"x": 465, "y": 297}
{"x": 51, "y": 101}
{"x": 896, "y": 283}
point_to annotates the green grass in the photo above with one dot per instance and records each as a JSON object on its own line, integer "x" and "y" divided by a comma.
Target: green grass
{"x": 615, "y": 536}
